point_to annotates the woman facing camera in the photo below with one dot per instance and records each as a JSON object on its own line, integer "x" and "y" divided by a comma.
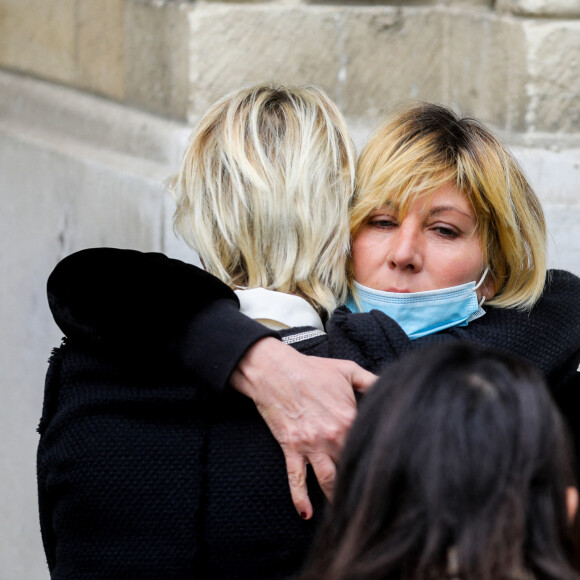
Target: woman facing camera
{"x": 440, "y": 207}
{"x": 440, "y": 203}
{"x": 457, "y": 467}
{"x": 142, "y": 472}
{"x": 448, "y": 244}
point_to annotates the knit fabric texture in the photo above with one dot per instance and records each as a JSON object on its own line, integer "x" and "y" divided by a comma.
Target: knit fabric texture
{"x": 146, "y": 472}
{"x": 142, "y": 475}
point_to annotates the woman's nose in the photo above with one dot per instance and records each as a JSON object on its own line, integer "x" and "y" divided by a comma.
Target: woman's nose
{"x": 405, "y": 251}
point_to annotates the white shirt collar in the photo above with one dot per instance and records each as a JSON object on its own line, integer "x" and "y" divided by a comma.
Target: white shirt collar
{"x": 277, "y": 309}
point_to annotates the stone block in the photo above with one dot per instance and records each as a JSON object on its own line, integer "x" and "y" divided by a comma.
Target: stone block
{"x": 229, "y": 48}
{"x": 554, "y": 175}
{"x": 563, "y": 238}
{"x": 62, "y": 188}
{"x": 389, "y": 55}
{"x": 38, "y": 37}
{"x": 54, "y": 200}
{"x": 468, "y": 3}
{"x": 255, "y": 1}
{"x": 101, "y": 47}
{"x": 558, "y": 8}
{"x": 554, "y": 76}
{"x": 157, "y": 57}
{"x": 410, "y": 3}
{"x": 366, "y": 58}
{"x": 486, "y": 60}
{"x": 41, "y": 107}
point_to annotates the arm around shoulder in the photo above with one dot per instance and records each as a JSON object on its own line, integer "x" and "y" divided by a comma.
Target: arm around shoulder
{"x": 109, "y": 294}
{"x": 143, "y": 303}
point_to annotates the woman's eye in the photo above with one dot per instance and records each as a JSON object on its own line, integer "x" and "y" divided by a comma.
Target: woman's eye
{"x": 382, "y": 223}
{"x": 445, "y": 232}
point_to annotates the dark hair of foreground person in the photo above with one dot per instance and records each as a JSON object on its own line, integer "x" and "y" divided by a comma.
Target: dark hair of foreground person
{"x": 457, "y": 466}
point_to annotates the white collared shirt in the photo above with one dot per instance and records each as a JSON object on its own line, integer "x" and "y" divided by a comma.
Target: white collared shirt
{"x": 277, "y": 310}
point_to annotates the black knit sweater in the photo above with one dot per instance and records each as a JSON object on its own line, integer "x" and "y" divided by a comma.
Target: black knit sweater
{"x": 150, "y": 467}
{"x": 143, "y": 475}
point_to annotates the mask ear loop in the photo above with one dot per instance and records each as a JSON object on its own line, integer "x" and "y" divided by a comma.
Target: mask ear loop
{"x": 479, "y": 284}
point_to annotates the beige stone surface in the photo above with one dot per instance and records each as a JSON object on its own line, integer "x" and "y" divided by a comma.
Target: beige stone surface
{"x": 390, "y": 55}
{"x": 58, "y": 194}
{"x": 229, "y": 48}
{"x": 288, "y": 2}
{"x": 38, "y": 37}
{"x": 156, "y": 57}
{"x": 468, "y": 3}
{"x": 86, "y": 119}
{"x": 560, "y": 8}
{"x": 486, "y": 60}
{"x": 407, "y": 3}
{"x": 554, "y": 84}
{"x": 366, "y": 58}
{"x": 101, "y": 47}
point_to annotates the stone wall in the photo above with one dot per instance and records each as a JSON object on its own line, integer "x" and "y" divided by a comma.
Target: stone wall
{"x": 97, "y": 99}
{"x": 513, "y": 62}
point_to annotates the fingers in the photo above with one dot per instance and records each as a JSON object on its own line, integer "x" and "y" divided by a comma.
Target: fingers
{"x": 325, "y": 471}
{"x": 351, "y": 373}
{"x": 308, "y": 404}
{"x": 360, "y": 379}
{"x": 296, "y": 467}
{"x": 363, "y": 380}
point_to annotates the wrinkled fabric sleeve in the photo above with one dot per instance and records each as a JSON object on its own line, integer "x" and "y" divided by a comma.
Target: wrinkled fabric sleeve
{"x": 142, "y": 303}
{"x": 215, "y": 339}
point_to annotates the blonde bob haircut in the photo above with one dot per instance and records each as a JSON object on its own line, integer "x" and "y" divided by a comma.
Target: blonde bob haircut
{"x": 424, "y": 146}
{"x": 264, "y": 191}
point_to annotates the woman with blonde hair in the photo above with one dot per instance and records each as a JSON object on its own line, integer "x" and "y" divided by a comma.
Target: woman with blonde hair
{"x": 142, "y": 472}
{"x": 263, "y": 193}
{"x": 424, "y": 150}
{"x": 448, "y": 244}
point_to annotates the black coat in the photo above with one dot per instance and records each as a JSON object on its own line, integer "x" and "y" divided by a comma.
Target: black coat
{"x": 144, "y": 475}
{"x": 150, "y": 467}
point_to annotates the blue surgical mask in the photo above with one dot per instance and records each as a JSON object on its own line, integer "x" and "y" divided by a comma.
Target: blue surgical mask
{"x": 422, "y": 313}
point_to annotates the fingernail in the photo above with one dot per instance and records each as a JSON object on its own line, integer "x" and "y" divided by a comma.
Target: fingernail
{"x": 303, "y": 515}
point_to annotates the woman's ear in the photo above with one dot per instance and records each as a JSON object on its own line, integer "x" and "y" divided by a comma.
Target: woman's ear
{"x": 572, "y": 502}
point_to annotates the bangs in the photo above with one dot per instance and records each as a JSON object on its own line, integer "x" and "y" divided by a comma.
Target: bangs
{"x": 425, "y": 146}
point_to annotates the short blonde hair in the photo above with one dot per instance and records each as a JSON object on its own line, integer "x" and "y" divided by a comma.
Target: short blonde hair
{"x": 264, "y": 190}
{"x": 422, "y": 147}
